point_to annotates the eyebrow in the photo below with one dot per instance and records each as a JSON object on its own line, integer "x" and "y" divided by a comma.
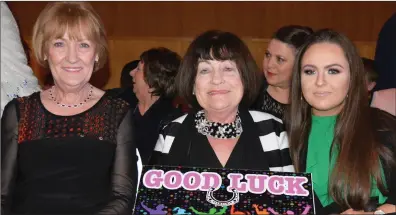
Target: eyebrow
{"x": 326, "y": 67}
{"x": 200, "y": 60}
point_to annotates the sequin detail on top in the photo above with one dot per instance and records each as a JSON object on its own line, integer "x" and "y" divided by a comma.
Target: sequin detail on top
{"x": 99, "y": 122}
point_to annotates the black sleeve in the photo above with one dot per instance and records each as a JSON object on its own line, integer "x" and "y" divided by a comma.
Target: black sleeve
{"x": 9, "y": 151}
{"x": 124, "y": 175}
{"x": 158, "y": 157}
{"x": 390, "y": 173}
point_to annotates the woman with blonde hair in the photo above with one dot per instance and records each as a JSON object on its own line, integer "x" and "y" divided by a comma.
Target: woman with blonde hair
{"x": 70, "y": 148}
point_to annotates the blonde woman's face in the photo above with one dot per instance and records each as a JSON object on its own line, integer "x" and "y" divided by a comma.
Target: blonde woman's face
{"x": 71, "y": 61}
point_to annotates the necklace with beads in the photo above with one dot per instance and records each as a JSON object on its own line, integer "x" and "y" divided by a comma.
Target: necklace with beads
{"x": 52, "y": 97}
{"x": 216, "y": 129}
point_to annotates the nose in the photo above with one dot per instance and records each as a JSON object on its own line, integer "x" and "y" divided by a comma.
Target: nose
{"x": 269, "y": 62}
{"x": 320, "y": 79}
{"x": 217, "y": 77}
{"x": 132, "y": 72}
{"x": 72, "y": 54}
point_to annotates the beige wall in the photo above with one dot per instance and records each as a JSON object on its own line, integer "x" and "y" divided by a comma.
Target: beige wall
{"x": 360, "y": 21}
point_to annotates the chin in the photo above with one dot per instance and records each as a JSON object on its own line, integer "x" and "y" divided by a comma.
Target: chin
{"x": 271, "y": 81}
{"x": 222, "y": 107}
{"x": 74, "y": 83}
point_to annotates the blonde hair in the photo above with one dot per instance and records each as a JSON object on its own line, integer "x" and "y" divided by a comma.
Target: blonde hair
{"x": 78, "y": 19}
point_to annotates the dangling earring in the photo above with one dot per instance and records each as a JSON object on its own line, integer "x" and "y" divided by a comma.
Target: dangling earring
{"x": 301, "y": 98}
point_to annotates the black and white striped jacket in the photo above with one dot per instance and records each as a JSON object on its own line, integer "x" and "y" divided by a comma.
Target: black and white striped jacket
{"x": 271, "y": 134}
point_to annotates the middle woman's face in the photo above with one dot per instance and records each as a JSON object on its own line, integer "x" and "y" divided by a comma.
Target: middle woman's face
{"x": 218, "y": 85}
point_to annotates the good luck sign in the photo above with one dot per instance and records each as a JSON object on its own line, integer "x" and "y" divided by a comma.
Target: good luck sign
{"x": 191, "y": 190}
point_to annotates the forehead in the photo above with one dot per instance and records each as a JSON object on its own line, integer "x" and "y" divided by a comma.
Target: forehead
{"x": 324, "y": 54}
{"x": 73, "y": 29}
{"x": 277, "y": 47}
{"x": 72, "y": 36}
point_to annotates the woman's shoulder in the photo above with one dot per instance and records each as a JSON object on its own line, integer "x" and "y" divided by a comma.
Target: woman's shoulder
{"x": 384, "y": 125}
{"x": 125, "y": 94}
{"x": 173, "y": 126}
{"x": 115, "y": 98}
{"x": 20, "y": 104}
{"x": 259, "y": 116}
{"x": 25, "y": 101}
{"x": 267, "y": 123}
{"x": 383, "y": 120}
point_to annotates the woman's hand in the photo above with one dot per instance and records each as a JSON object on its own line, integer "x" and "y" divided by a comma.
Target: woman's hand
{"x": 387, "y": 208}
{"x": 351, "y": 211}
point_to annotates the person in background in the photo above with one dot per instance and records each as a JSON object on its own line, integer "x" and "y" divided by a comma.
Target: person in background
{"x": 69, "y": 149}
{"x": 126, "y": 78}
{"x": 126, "y": 83}
{"x": 17, "y": 78}
{"x": 384, "y": 96}
{"x": 349, "y": 148}
{"x": 277, "y": 67}
{"x": 154, "y": 87}
{"x": 371, "y": 75}
{"x": 219, "y": 77}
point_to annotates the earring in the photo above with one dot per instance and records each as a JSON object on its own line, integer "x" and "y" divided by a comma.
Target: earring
{"x": 301, "y": 98}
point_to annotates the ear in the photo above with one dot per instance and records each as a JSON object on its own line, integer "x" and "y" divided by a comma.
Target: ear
{"x": 371, "y": 85}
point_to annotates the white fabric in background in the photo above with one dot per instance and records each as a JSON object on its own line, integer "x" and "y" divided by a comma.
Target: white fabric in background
{"x": 17, "y": 78}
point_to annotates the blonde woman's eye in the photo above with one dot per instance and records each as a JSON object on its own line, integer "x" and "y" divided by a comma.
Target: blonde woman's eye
{"x": 84, "y": 45}
{"x": 58, "y": 44}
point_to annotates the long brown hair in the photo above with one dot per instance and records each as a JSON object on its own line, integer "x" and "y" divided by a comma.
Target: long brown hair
{"x": 359, "y": 148}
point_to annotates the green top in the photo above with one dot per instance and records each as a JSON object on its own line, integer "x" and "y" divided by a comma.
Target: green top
{"x": 318, "y": 158}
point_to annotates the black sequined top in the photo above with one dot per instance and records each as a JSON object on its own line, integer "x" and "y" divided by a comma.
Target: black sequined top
{"x": 80, "y": 164}
{"x": 267, "y": 104}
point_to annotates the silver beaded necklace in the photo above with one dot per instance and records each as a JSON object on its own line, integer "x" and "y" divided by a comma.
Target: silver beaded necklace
{"x": 216, "y": 129}
{"x": 52, "y": 97}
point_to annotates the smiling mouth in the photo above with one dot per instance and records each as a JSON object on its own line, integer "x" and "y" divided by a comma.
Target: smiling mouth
{"x": 218, "y": 92}
{"x": 72, "y": 69}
